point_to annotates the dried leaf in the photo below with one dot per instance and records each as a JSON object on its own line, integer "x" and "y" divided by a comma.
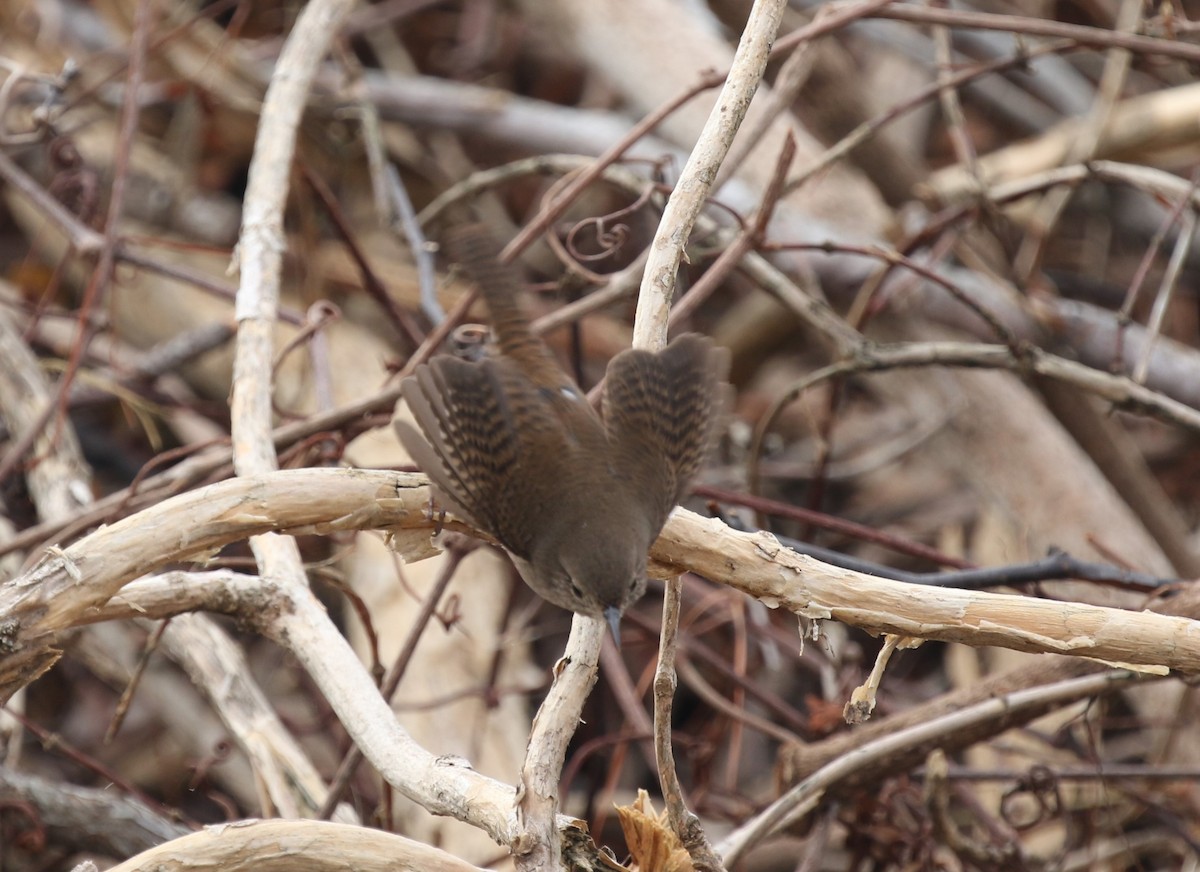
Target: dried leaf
{"x": 654, "y": 846}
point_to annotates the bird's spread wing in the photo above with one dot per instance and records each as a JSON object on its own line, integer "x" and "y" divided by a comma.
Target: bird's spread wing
{"x": 468, "y": 443}
{"x": 661, "y": 414}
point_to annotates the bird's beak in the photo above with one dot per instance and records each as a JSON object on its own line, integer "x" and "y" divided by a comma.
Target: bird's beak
{"x": 612, "y": 615}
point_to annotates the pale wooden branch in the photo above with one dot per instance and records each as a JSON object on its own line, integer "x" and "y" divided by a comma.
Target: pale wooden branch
{"x": 756, "y": 564}
{"x": 287, "y": 776}
{"x": 793, "y": 75}
{"x": 49, "y": 599}
{"x": 260, "y": 256}
{"x": 695, "y": 181}
{"x": 282, "y": 846}
{"x": 177, "y": 592}
{"x": 260, "y": 253}
{"x": 59, "y": 487}
{"x": 537, "y": 846}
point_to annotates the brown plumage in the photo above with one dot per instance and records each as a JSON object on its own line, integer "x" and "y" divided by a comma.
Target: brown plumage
{"x": 513, "y": 447}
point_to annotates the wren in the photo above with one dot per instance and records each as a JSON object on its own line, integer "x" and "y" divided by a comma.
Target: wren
{"x": 513, "y": 447}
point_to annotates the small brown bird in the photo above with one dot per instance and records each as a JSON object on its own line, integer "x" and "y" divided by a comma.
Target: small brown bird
{"x": 513, "y": 447}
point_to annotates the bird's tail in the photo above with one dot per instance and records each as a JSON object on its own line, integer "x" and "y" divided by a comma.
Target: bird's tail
{"x": 475, "y": 249}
